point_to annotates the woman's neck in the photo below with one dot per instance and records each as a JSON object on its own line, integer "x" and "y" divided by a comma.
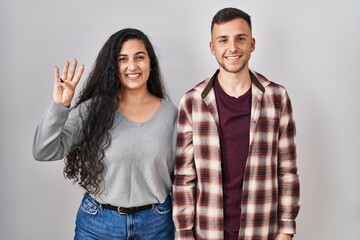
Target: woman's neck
{"x": 134, "y": 97}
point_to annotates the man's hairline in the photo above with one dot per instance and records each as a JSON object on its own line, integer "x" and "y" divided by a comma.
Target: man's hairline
{"x": 223, "y": 22}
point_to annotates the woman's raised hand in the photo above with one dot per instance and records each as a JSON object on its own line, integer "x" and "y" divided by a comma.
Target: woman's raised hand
{"x": 64, "y": 86}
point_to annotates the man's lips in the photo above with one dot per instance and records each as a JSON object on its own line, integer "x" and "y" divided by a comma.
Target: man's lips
{"x": 233, "y": 57}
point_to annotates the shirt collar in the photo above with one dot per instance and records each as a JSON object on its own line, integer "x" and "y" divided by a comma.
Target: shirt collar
{"x": 210, "y": 84}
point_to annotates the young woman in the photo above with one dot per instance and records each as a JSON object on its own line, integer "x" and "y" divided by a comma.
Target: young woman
{"x": 118, "y": 141}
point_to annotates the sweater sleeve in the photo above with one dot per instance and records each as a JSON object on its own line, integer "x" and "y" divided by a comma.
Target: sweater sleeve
{"x": 56, "y": 133}
{"x": 185, "y": 175}
{"x": 289, "y": 187}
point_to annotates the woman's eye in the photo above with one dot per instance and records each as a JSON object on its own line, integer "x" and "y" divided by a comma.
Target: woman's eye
{"x": 140, "y": 57}
{"x": 122, "y": 59}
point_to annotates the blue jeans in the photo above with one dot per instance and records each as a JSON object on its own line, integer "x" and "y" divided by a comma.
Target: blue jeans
{"x": 95, "y": 222}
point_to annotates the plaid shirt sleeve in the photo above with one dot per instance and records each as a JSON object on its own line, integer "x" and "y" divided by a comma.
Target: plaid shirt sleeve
{"x": 185, "y": 175}
{"x": 289, "y": 189}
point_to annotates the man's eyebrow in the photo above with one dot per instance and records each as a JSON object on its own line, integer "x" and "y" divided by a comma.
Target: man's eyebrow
{"x": 238, "y": 35}
{"x": 223, "y": 36}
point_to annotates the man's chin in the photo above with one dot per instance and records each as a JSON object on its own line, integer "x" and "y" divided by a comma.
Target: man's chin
{"x": 234, "y": 69}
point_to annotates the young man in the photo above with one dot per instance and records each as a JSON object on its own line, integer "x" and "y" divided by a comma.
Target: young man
{"x": 235, "y": 172}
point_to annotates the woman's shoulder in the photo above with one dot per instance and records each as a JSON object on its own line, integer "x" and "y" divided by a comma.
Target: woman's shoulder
{"x": 169, "y": 106}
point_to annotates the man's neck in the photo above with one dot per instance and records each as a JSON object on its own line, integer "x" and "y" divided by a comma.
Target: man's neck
{"x": 235, "y": 84}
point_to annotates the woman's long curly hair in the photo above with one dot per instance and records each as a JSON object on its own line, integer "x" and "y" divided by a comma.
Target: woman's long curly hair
{"x": 84, "y": 163}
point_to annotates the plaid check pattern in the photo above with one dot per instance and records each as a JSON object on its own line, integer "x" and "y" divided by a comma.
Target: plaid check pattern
{"x": 270, "y": 201}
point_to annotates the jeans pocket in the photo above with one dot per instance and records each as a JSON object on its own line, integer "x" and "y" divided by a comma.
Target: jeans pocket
{"x": 163, "y": 208}
{"x": 89, "y": 205}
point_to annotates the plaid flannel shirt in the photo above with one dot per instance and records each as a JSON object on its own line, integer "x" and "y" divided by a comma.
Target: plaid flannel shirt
{"x": 270, "y": 201}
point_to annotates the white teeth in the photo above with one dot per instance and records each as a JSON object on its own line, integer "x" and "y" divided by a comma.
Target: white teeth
{"x": 133, "y": 75}
{"x": 232, "y": 57}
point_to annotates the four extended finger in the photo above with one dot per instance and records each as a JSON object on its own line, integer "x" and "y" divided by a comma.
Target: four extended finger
{"x": 56, "y": 74}
{"x": 78, "y": 75}
{"x": 65, "y": 70}
{"x": 72, "y": 70}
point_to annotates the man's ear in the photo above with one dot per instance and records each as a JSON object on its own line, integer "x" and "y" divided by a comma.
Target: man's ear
{"x": 252, "y": 47}
{"x": 212, "y": 48}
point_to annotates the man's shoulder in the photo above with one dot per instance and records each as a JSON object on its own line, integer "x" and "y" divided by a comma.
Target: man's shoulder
{"x": 201, "y": 85}
{"x": 198, "y": 88}
{"x": 268, "y": 84}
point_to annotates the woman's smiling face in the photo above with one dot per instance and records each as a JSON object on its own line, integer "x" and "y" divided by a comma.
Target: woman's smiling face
{"x": 133, "y": 65}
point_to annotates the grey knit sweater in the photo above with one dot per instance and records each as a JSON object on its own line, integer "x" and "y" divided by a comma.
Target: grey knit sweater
{"x": 139, "y": 162}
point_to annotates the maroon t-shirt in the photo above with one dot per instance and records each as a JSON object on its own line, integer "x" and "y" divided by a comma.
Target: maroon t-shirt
{"x": 234, "y": 118}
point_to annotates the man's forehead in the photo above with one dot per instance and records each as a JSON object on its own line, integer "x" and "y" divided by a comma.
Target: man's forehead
{"x": 235, "y": 27}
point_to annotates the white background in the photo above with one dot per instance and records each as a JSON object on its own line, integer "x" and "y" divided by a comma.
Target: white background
{"x": 310, "y": 46}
